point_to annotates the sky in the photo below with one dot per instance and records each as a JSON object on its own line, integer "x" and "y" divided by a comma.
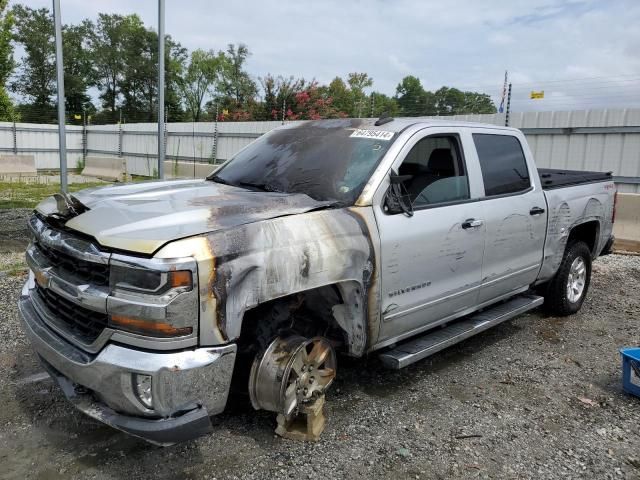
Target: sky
{"x": 582, "y": 53}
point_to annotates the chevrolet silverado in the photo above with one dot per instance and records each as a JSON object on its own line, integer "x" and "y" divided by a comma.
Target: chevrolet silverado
{"x": 149, "y": 302}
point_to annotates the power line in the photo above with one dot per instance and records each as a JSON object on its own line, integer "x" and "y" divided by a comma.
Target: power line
{"x": 580, "y": 97}
{"x": 609, "y": 79}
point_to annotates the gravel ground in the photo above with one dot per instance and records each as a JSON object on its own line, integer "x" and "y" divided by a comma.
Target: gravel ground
{"x": 14, "y": 232}
{"x": 536, "y": 397}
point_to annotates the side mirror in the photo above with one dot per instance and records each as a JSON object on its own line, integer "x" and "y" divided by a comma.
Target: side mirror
{"x": 396, "y": 201}
{"x": 392, "y": 204}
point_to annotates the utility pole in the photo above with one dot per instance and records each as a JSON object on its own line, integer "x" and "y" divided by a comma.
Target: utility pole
{"x": 84, "y": 133}
{"x": 506, "y": 117}
{"x": 161, "y": 126}
{"x": 214, "y": 154}
{"x": 284, "y": 107}
{"x": 62, "y": 139}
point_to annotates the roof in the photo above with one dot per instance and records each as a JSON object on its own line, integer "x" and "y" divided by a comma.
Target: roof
{"x": 398, "y": 124}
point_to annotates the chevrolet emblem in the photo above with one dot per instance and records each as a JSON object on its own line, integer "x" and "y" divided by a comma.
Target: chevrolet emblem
{"x": 42, "y": 279}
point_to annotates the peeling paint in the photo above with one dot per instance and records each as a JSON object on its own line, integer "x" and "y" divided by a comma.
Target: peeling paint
{"x": 253, "y": 263}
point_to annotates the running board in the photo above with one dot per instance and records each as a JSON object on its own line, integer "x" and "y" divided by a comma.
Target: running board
{"x": 438, "y": 339}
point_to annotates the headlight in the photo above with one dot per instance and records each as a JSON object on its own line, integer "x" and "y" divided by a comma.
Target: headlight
{"x": 150, "y": 282}
{"x": 154, "y": 298}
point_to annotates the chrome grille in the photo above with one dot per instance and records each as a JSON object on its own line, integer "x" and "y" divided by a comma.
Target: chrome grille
{"x": 81, "y": 322}
{"x": 85, "y": 271}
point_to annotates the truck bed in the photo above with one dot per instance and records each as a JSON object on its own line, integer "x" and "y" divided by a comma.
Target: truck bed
{"x": 556, "y": 178}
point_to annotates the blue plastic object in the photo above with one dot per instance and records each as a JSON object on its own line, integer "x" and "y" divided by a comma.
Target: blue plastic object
{"x": 631, "y": 370}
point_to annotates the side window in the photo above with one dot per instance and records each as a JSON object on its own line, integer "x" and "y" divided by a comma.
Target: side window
{"x": 436, "y": 170}
{"x": 504, "y": 168}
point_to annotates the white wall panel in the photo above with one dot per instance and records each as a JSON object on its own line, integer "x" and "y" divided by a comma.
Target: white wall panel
{"x": 618, "y": 152}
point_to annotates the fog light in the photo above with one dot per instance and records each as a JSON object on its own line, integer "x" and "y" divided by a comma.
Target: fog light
{"x": 142, "y": 387}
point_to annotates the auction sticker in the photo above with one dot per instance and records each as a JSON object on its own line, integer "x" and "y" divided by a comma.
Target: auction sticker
{"x": 375, "y": 134}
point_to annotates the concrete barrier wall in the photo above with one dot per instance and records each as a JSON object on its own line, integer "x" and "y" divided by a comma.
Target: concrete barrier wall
{"x": 105, "y": 168}
{"x": 627, "y": 224}
{"x": 18, "y": 164}
{"x": 187, "y": 169}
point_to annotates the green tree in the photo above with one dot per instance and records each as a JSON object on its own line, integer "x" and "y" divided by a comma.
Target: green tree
{"x": 176, "y": 57}
{"x": 357, "y": 83}
{"x": 138, "y": 84}
{"x": 451, "y": 101}
{"x": 478, "y": 103}
{"x": 36, "y": 73}
{"x": 380, "y": 104}
{"x": 313, "y": 104}
{"x": 7, "y": 63}
{"x": 340, "y": 94}
{"x": 413, "y": 100}
{"x": 125, "y": 55}
{"x": 200, "y": 79}
{"x": 78, "y": 73}
{"x": 107, "y": 44}
{"x": 280, "y": 92}
{"x": 236, "y": 90}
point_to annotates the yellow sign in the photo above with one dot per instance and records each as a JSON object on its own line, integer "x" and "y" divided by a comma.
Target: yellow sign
{"x": 537, "y": 95}
{"x": 77, "y": 117}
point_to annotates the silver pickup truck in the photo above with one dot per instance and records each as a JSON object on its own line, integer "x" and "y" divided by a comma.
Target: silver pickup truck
{"x": 149, "y": 302}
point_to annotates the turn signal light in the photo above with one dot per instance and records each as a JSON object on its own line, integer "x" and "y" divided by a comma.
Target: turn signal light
{"x": 148, "y": 327}
{"x": 180, "y": 278}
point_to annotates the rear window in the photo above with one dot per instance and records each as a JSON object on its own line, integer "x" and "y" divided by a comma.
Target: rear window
{"x": 504, "y": 168}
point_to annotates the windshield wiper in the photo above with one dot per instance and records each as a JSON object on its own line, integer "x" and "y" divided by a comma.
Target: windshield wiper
{"x": 258, "y": 186}
{"x": 255, "y": 186}
{"x": 218, "y": 179}
{"x": 326, "y": 206}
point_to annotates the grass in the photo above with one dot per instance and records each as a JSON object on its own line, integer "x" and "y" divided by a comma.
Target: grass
{"x": 16, "y": 270}
{"x": 25, "y": 195}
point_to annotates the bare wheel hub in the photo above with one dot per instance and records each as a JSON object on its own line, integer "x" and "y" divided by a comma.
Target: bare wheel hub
{"x": 292, "y": 371}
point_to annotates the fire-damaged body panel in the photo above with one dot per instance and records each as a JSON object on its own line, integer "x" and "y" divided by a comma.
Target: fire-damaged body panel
{"x": 247, "y": 265}
{"x": 142, "y": 217}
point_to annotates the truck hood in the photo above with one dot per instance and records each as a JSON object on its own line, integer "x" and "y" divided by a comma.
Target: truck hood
{"x": 143, "y": 217}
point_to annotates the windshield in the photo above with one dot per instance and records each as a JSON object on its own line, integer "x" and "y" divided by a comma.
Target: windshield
{"x": 328, "y": 160}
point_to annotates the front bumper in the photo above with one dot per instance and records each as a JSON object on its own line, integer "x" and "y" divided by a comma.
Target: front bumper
{"x": 187, "y": 385}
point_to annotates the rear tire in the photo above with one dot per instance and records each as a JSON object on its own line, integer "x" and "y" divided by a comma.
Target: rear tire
{"x": 567, "y": 290}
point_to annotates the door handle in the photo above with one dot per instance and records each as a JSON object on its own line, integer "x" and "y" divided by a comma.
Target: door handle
{"x": 472, "y": 223}
{"x": 536, "y": 211}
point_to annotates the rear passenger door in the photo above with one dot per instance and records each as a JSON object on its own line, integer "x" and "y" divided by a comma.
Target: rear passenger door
{"x": 513, "y": 211}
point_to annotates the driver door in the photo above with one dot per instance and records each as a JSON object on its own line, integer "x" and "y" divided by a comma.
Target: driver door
{"x": 432, "y": 260}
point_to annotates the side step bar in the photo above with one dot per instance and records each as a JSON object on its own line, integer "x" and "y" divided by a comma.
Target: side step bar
{"x": 438, "y": 339}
